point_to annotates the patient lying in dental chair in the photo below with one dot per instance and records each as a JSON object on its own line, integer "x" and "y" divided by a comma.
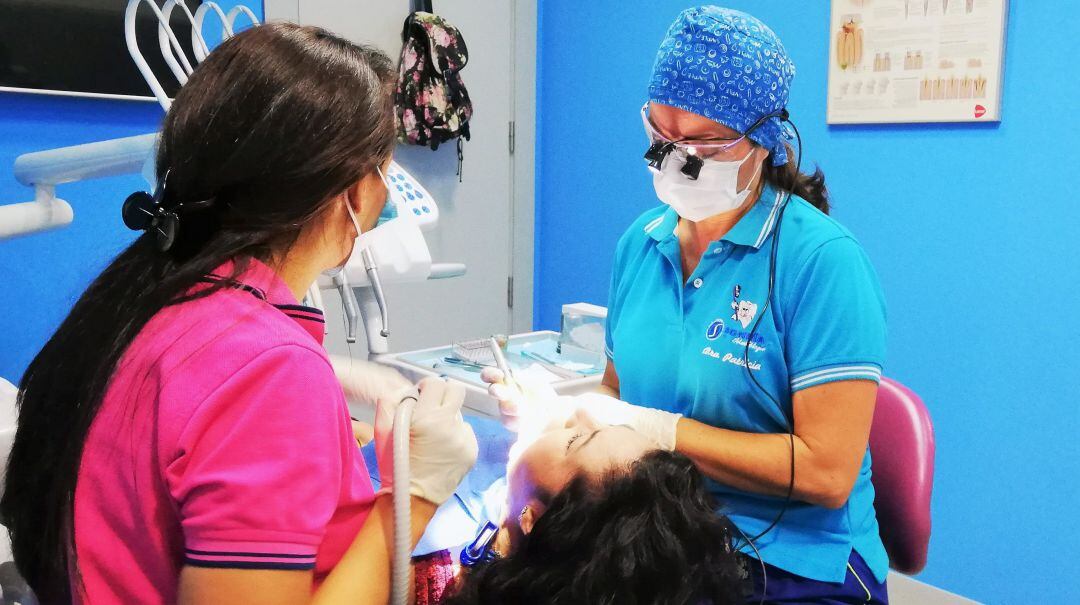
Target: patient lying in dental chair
{"x": 586, "y": 513}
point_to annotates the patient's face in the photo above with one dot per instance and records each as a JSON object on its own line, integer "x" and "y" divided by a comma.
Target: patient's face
{"x": 557, "y": 455}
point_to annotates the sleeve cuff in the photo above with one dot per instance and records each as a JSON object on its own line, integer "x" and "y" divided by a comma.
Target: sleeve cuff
{"x": 251, "y": 555}
{"x": 835, "y": 373}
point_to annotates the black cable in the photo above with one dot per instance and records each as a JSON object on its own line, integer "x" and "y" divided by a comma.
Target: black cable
{"x": 750, "y": 339}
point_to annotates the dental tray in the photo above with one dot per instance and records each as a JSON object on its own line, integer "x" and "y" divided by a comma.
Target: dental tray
{"x": 533, "y": 355}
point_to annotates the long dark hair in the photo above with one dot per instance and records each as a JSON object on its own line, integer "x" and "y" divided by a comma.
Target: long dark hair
{"x": 649, "y": 536}
{"x": 272, "y": 126}
{"x": 787, "y": 177}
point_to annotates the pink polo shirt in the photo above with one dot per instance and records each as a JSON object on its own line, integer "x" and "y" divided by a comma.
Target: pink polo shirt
{"x": 223, "y": 441}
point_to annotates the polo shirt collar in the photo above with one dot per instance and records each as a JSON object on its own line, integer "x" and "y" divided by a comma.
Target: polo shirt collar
{"x": 262, "y": 282}
{"x": 751, "y": 230}
{"x": 663, "y": 226}
{"x": 756, "y": 225}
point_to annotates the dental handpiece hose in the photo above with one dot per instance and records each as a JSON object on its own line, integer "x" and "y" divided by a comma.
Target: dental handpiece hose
{"x": 371, "y": 267}
{"x": 401, "y": 564}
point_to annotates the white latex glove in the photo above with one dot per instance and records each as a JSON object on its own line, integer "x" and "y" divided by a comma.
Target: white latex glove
{"x": 442, "y": 447}
{"x": 526, "y": 406}
{"x": 657, "y": 425}
{"x": 366, "y": 381}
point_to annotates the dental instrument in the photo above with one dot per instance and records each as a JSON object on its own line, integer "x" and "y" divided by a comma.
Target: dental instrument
{"x": 468, "y": 365}
{"x": 500, "y": 360}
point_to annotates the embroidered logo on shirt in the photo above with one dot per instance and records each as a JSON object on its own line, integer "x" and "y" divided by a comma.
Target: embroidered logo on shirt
{"x": 743, "y": 310}
{"x": 715, "y": 329}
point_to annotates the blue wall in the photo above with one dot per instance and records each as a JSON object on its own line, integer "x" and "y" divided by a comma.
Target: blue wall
{"x": 43, "y": 274}
{"x": 972, "y": 228}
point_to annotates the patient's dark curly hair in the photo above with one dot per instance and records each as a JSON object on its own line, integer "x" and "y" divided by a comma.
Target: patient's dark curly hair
{"x": 649, "y": 536}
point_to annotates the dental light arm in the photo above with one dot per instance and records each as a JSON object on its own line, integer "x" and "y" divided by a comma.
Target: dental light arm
{"x": 44, "y": 170}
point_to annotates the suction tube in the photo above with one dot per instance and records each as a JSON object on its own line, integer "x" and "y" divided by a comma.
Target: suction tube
{"x": 401, "y": 563}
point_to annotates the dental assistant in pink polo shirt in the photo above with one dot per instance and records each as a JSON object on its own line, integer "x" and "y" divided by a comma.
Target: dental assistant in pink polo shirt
{"x": 182, "y": 437}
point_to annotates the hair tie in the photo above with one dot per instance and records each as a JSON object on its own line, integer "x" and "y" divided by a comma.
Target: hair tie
{"x": 145, "y": 212}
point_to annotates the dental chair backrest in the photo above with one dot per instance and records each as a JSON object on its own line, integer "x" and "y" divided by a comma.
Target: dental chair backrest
{"x": 902, "y": 447}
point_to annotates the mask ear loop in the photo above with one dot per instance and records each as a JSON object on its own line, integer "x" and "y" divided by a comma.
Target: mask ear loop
{"x": 385, "y": 182}
{"x": 352, "y": 217}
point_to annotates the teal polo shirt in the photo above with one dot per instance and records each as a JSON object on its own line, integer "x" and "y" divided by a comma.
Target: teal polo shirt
{"x": 678, "y": 345}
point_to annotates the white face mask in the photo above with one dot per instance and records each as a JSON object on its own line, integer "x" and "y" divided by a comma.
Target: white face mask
{"x": 334, "y": 271}
{"x": 714, "y": 191}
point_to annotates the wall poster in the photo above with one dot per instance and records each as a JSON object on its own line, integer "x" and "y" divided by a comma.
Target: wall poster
{"x": 896, "y": 61}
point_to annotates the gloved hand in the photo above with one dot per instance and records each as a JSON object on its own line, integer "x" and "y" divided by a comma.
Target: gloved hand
{"x": 365, "y": 381}
{"x": 525, "y": 406}
{"x": 442, "y": 447}
{"x": 539, "y": 405}
{"x": 657, "y": 425}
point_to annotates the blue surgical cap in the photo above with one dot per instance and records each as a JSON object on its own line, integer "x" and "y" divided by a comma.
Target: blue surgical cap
{"x": 729, "y": 67}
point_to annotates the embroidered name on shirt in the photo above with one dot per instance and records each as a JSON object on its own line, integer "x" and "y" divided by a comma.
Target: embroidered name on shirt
{"x": 729, "y": 358}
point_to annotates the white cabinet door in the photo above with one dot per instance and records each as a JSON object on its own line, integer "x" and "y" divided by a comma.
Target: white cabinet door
{"x": 475, "y": 214}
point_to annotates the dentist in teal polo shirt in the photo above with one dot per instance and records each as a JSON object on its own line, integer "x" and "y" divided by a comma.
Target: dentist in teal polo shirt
{"x": 745, "y": 326}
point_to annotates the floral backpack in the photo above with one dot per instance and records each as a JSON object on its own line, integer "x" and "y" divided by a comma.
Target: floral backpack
{"x": 432, "y": 103}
